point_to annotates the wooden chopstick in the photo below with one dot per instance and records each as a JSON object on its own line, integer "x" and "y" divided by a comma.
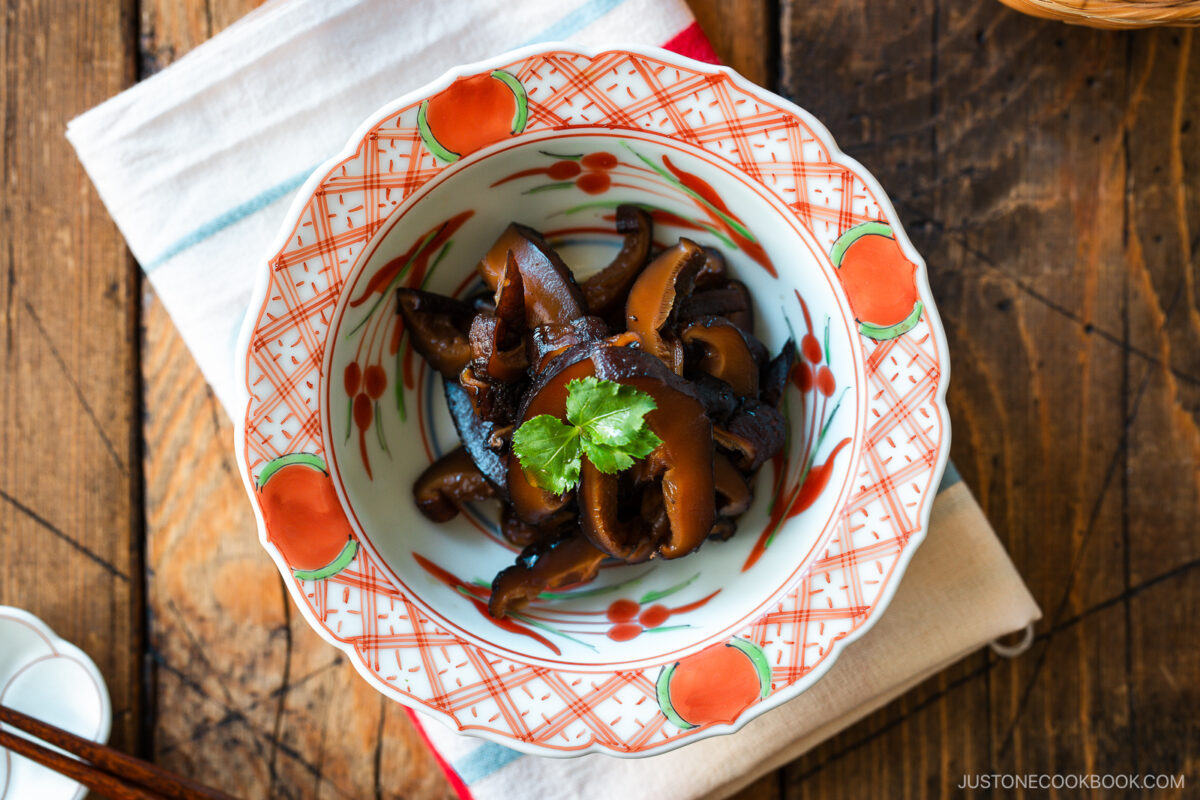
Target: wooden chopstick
{"x": 80, "y": 771}
{"x": 111, "y": 772}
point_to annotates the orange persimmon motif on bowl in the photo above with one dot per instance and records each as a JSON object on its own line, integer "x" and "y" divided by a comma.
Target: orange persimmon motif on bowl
{"x": 304, "y": 518}
{"x": 880, "y": 281}
{"x": 472, "y": 113}
{"x": 715, "y": 685}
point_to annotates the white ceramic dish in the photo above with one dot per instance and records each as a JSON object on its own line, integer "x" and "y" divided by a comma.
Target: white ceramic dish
{"x": 555, "y": 137}
{"x": 54, "y": 681}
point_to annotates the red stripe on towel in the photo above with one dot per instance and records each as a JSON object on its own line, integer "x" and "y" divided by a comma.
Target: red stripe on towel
{"x": 456, "y": 783}
{"x": 692, "y": 42}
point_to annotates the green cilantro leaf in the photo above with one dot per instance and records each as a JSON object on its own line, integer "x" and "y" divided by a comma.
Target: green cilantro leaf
{"x": 549, "y": 452}
{"x": 614, "y": 458}
{"x": 607, "y": 412}
{"x": 605, "y": 421}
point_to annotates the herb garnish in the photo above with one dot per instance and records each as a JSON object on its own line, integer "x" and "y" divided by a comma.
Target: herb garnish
{"x": 606, "y": 421}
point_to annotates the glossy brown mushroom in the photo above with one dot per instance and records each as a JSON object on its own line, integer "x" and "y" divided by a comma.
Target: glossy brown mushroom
{"x": 548, "y": 395}
{"x": 723, "y": 353}
{"x": 731, "y": 300}
{"x": 546, "y": 342}
{"x": 522, "y": 534}
{"x": 715, "y": 271}
{"x": 634, "y": 539}
{"x": 685, "y": 457}
{"x": 497, "y": 339}
{"x": 753, "y": 435}
{"x": 448, "y": 483}
{"x": 476, "y": 436}
{"x": 489, "y": 359}
{"x": 733, "y": 492}
{"x": 551, "y": 294}
{"x": 493, "y": 401}
{"x": 774, "y": 378}
{"x": 605, "y": 291}
{"x": 655, "y": 296}
{"x": 437, "y": 326}
{"x": 572, "y": 560}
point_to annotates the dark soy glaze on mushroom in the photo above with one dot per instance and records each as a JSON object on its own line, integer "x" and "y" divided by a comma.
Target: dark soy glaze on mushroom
{"x": 651, "y": 307}
{"x": 476, "y": 435}
{"x": 448, "y": 483}
{"x": 675, "y": 326}
{"x": 606, "y": 290}
{"x": 438, "y": 327}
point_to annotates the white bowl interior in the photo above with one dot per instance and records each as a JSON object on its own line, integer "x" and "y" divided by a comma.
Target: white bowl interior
{"x": 577, "y": 630}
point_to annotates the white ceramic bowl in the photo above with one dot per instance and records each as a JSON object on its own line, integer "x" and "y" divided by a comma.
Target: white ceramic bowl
{"x": 342, "y": 416}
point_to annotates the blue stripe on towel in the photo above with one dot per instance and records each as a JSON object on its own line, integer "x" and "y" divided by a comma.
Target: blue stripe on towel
{"x": 224, "y": 220}
{"x": 576, "y": 20}
{"x": 480, "y": 763}
{"x": 949, "y": 477}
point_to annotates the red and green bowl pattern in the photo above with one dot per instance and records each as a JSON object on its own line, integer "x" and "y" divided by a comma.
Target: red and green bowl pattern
{"x": 418, "y": 653}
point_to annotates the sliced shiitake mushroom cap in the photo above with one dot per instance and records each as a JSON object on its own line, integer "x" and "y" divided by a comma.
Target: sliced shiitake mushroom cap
{"x": 489, "y": 358}
{"x": 733, "y": 492}
{"x": 605, "y": 291}
{"x": 631, "y": 540}
{"x": 685, "y": 457}
{"x": 569, "y": 561}
{"x": 476, "y": 436}
{"x": 522, "y": 534}
{"x": 493, "y": 401}
{"x": 724, "y": 353}
{"x": 497, "y": 339}
{"x": 775, "y": 377}
{"x": 551, "y": 294}
{"x": 548, "y": 395}
{"x": 549, "y": 341}
{"x": 716, "y": 396}
{"x": 715, "y": 270}
{"x": 438, "y": 327}
{"x": 448, "y": 483}
{"x": 753, "y": 435}
{"x": 730, "y": 300}
{"x": 662, "y": 286}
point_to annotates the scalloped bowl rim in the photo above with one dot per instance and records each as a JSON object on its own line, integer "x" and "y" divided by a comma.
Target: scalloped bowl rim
{"x": 836, "y": 155}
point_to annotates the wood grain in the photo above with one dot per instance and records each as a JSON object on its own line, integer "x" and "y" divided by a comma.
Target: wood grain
{"x": 70, "y": 531}
{"x": 249, "y": 699}
{"x": 1046, "y": 173}
{"x": 1042, "y": 170}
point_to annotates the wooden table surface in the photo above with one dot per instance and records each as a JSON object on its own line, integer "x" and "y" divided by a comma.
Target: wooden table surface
{"x": 1048, "y": 174}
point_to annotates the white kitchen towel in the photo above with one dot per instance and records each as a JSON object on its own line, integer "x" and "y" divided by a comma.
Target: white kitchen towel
{"x": 198, "y": 165}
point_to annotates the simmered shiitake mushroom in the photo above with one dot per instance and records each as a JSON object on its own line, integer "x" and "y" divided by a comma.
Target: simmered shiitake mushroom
{"x": 438, "y": 327}
{"x": 605, "y": 291}
{"x": 650, "y": 309}
{"x": 448, "y": 483}
{"x": 585, "y": 477}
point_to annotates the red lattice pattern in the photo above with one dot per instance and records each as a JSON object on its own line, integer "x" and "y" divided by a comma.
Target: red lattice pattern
{"x": 402, "y": 649}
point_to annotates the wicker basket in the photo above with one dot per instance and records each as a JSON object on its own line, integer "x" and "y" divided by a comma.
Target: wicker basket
{"x": 1113, "y": 13}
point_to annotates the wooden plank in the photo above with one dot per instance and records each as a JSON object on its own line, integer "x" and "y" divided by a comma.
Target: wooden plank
{"x": 69, "y": 523}
{"x": 1163, "y": 399}
{"x": 249, "y": 698}
{"x": 1024, "y": 158}
{"x": 744, "y": 34}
